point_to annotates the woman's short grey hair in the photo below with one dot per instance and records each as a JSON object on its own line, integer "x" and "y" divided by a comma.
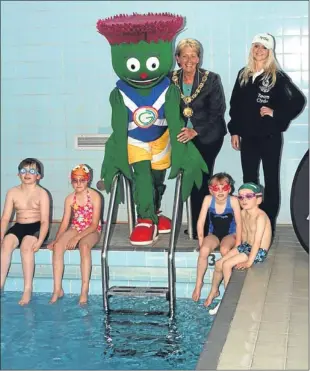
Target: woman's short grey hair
{"x": 194, "y": 44}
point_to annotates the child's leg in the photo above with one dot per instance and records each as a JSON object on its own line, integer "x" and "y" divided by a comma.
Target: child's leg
{"x": 58, "y": 263}
{"x": 27, "y": 255}
{"x": 9, "y": 244}
{"x": 227, "y": 243}
{"x": 85, "y": 246}
{"x": 228, "y": 265}
{"x": 209, "y": 244}
{"x": 218, "y": 276}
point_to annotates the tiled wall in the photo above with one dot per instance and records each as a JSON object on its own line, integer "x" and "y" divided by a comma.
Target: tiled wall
{"x": 126, "y": 268}
{"x": 56, "y": 76}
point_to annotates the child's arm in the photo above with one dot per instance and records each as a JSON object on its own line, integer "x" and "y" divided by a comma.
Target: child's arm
{"x": 244, "y": 235}
{"x": 44, "y": 219}
{"x": 64, "y": 222}
{"x": 237, "y": 214}
{"x": 202, "y": 218}
{"x": 7, "y": 212}
{"x": 96, "y": 201}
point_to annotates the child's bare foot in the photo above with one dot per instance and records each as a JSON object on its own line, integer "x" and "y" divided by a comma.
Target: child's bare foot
{"x": 83, "y": 298}
{"x": 56, "y": 295}
{"x": 197, "y": 291}
{"x": 25, "y": 298}
{"x": 212, "y": 295}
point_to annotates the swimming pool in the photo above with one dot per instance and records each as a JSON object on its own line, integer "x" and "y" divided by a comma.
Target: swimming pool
{"x": 67, "y": 336}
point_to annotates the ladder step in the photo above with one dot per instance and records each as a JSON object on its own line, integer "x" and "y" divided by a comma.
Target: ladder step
{"x": 142, "y": 324}
{"x": 139, "y": 312}
{"x": 138, "y": 291}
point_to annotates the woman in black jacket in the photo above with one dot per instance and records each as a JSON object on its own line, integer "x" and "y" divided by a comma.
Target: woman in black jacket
{"x": 263, "y": 103}
{"x": 202, "y": 108}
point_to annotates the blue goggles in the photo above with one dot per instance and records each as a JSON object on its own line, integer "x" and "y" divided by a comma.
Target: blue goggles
{"x": 30, "y": 171}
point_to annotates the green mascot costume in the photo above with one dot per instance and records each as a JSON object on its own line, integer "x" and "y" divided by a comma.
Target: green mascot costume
{"x": 146, "y": 118}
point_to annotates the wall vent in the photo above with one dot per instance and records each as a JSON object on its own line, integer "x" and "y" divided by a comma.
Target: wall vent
{"x": 91, "y": 141}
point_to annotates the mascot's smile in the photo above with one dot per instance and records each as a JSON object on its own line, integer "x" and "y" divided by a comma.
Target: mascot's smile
{"x": 142, "y": 81}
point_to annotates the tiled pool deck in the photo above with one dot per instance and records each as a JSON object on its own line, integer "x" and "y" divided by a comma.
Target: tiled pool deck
{"x": 269, "y": 329}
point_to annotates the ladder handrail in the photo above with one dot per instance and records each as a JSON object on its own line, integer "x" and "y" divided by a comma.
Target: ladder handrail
{"x": 177, "y": 209}
{"x": 177, "y": 213}
{"x": 189, "y": 218}
{"x": 106, "y": 240}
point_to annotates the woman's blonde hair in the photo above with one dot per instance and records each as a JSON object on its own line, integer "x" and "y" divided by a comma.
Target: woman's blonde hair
{"x": 270, "y": 68}
{"x": 194, "y": 44}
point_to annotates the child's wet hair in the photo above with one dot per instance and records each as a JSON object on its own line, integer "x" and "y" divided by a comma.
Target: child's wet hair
{"x": 223, "y": 176}
{"x": 30, "y": 162}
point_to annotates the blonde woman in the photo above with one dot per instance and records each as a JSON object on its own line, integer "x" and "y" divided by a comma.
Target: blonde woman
{"x": 202, "y": 108}
{"x": 263, "y": 103}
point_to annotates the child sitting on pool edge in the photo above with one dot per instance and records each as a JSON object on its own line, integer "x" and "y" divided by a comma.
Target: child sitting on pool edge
{"x": 256, "y": 240}
{"x": 224, "y": 224}
{"x": 84, "y": 206}
{"x": 31, "y": 204}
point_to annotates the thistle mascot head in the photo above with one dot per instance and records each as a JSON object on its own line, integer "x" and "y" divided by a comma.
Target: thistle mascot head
{"x": 141, "y": 46}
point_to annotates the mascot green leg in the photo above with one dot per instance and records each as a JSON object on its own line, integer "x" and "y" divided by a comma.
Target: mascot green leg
{"x": 159, "y": 187}
{"x": 144, "y": 191}
{"x": 148, "y": 191}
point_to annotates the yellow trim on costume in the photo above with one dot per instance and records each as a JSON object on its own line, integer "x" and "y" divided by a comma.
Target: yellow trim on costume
{"x": 158, "y": 151}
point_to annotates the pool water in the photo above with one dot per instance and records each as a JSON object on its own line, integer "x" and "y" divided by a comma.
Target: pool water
{"x": 67, "y": 336}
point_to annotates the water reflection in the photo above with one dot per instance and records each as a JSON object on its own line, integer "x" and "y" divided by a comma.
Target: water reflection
{"x": 141, "y": 337}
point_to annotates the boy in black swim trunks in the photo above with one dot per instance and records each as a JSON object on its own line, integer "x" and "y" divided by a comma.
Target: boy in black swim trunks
{"x": 256, "y": 239}
{"x": 31, "y": 204}
{"x": 224, "y": 224}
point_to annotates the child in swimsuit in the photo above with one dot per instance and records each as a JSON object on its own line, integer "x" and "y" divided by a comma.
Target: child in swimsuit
{"x": 224, "y": 224}
{"x": 256, "y": 240}
{"x": 83, "y": 208}
{"x": 31, "y": 204}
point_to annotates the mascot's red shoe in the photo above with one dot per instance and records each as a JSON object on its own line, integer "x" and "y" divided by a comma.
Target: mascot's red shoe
{"x": 144, "y": 233}
{"x": 164, "y": 224}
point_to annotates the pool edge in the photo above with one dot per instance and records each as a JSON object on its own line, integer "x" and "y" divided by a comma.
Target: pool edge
{"x": 212, "y": 349}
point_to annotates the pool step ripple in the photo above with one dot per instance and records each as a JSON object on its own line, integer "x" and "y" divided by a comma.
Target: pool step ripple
{"x": 126, "y": 268}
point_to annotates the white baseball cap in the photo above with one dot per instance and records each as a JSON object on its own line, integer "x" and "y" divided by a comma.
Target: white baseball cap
{"x": 265, "y": 39}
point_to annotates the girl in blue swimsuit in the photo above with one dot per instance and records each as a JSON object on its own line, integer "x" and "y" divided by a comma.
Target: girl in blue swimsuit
{"x": 223, "y": 211}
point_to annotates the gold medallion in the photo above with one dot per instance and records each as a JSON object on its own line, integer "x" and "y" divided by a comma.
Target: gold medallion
{"x": 188, "y": 112}
{"x": 189, "y": 99}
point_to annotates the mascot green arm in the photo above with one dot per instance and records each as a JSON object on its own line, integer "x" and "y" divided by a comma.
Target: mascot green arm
{"x": 116, "y": 157}
{"x": 184, "y": 156}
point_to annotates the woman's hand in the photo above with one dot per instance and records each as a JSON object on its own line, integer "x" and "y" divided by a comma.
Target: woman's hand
{"x": 186, "y": 135}
{"x": 235, "y": 142}
{"x": 266, "y": 111}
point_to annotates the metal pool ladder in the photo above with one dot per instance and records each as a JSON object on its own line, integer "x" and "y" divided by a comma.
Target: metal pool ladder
{"x": 167, "y": 292}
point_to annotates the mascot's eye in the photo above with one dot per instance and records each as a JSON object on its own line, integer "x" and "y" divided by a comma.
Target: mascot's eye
{"x": 152, "y": 64}
{"x": 133, "y": 64}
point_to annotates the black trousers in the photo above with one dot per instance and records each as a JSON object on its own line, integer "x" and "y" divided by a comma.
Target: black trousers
{"x": 268, "y": 150}
{"x": 209, "y": 153}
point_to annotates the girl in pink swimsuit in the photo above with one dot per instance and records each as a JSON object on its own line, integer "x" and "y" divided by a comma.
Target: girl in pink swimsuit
{"x": 83, "y": 208}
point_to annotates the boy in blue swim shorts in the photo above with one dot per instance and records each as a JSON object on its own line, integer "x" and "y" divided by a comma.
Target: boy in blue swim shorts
{"x": 256, "y": 239}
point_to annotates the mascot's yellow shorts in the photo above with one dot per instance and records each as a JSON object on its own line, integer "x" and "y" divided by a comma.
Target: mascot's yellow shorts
{"x": 158, "y": 151}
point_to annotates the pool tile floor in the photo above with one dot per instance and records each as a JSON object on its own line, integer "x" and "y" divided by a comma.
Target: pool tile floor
{"x": 269, "y": 330}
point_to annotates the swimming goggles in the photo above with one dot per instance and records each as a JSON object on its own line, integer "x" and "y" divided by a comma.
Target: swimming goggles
{"x": 248, "y": 196}
{"x": 28, "y": 171}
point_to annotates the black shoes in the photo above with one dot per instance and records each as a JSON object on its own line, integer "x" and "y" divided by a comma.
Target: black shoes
{"x": 195, "y": 237}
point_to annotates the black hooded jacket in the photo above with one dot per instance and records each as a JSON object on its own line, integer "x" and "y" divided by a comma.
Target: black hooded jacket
{"x": 284, "y": 98}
